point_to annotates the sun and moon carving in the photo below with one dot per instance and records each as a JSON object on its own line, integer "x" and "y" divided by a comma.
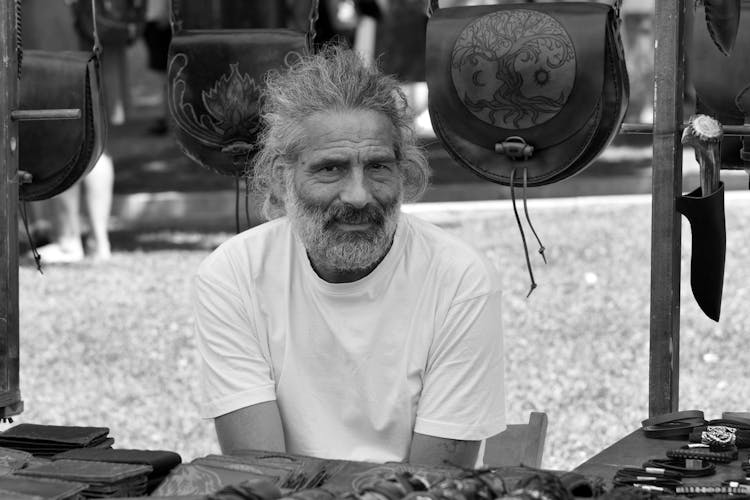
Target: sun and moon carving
{"x": 514, "y": 69}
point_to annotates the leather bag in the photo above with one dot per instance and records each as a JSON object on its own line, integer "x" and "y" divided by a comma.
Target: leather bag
{"x": 214, "y": 86}
{"x": 536, "y": 86}
{"x": 59, "y": 152}
{"x": 722, "y": 79}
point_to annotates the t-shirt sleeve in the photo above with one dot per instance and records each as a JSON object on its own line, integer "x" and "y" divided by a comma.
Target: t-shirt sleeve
{"x": 463, "y": 395}
{"x": 234, "y": 372}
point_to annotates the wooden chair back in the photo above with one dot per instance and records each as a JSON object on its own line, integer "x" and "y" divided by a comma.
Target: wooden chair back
{"x": 518, "y": 444}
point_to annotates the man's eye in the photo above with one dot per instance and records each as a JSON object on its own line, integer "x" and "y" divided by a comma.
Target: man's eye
{"x": 378, "y": 166}
{"x": 330, "y": 169}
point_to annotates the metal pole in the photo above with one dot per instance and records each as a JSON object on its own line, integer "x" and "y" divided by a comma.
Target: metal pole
{"x": 669, "y": 83}
{"x": 10, "y": 396}
{"x": 647, "y": 128}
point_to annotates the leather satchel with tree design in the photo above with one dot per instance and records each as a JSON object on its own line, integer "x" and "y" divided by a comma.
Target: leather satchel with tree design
{"x": 214, "y": 86}
{"x": 537, "y": 87}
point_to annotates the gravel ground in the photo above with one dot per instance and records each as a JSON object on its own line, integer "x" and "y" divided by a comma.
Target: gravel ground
{"x": 111, "y": 344}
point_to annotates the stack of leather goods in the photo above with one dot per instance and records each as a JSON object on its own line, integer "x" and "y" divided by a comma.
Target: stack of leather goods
{"x": 47, "y": 440}
{"x": 161, "y": 462}
{"x": 18, "y": 487}
{"x": 205, "y": 475}
{"x": 11, "y": 460}
{"x": 103, "y": 479}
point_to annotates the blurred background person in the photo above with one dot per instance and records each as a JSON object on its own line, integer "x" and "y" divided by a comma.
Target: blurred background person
{"x": 157, "y": 34}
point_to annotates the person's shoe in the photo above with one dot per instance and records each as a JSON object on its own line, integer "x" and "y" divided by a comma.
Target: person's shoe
{"x": 97, "y": 250}
{"x": 54, "y": 253}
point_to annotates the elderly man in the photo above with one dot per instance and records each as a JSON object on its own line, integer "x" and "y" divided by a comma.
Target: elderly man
{"x": 344, "y": 328}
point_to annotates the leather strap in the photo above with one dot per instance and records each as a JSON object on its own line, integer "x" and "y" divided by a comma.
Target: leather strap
{"x": 704, "y": 453}
{"x": 672, "y": 417}
{"x": 679, "y": 465}
{"x": 673, "y": 425}
{"x": 731, "y": 421}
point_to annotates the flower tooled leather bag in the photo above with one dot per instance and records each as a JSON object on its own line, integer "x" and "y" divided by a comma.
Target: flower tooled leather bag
{"x": 538, "y": 87}
{"x": 214, "y": 85}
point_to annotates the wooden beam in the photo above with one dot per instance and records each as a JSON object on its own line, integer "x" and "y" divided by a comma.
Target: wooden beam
{"x": 10, "y": 396}
{"x": 670, "y": 19}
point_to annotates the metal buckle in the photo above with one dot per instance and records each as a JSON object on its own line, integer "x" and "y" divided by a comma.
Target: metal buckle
{"x": 515, "y": 148}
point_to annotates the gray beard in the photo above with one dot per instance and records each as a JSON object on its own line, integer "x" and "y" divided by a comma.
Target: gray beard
{"x": 341, "y": 250}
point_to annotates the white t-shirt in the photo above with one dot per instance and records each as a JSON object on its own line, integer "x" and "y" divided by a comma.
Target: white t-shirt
{"x": 355, "y": 368}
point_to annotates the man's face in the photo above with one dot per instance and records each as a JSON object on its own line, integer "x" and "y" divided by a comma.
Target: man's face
{"x": 344, "y": 194}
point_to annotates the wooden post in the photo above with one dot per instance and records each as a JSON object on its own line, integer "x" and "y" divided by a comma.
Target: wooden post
{"x": 10, "y": 396}
{"x": 669, "y": 83}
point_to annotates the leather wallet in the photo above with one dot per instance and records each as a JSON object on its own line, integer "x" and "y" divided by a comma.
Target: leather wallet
{"x": 57, "y": 434}
{"x": 161, "y": 461}
{"x": 11, "y": 460}
{"x": 48, "y": 489}
{"x": 48, "y": 440}
{"x": 103, "y": 478}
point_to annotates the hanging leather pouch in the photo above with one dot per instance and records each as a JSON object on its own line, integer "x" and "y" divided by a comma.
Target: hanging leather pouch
{"x": 59, "y": 152}
{"x": 214, "y": 86}
{"x": 709, "y": 239}
{"x": 540, "y": 86}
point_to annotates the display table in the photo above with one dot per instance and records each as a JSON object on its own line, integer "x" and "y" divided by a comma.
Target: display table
{"x": 635, "y": 448}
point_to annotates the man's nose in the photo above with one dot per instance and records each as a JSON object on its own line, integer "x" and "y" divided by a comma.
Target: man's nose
{"x": 356, "y": 190}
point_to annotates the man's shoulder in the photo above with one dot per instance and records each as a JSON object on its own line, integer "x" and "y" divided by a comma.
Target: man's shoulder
{"x": 452, "y": 257}
{"x": 252, "y": 246}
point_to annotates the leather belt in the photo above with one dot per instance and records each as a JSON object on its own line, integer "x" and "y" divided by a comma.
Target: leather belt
{"x": 704, "y": 453}
{"x": 675, "y": 425}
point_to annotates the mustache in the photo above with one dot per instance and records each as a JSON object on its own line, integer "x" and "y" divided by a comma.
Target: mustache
{"x": 349, "y": 214}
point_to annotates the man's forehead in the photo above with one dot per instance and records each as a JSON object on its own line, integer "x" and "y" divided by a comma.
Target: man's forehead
{"x": 340, "y": 133}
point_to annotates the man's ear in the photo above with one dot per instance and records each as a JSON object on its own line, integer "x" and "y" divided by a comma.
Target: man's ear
{"x": 279, "y": 170}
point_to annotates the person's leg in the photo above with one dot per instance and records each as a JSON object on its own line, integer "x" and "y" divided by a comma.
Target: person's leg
{"x": 66, "y": 243}
{"x": 98, "y": 197}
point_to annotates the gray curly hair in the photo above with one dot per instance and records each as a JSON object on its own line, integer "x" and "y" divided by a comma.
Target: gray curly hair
{"x": 334, "y": 79}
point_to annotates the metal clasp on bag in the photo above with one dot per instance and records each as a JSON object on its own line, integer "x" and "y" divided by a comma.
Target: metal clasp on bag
{"x": 515, "y": 148}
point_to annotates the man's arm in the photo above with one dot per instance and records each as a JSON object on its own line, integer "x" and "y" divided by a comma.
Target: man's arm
{"x": 256, "y": 427}
{"x": 431, "y": 450}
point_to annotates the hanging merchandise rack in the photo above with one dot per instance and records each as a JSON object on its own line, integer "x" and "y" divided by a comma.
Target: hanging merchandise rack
{"x": 671, "y": 18}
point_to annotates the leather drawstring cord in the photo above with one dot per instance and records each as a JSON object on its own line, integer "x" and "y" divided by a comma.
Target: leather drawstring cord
{"x": 34, "y": 252}
{"x": 520, "y": 228}
{"x": 528, "y": 219}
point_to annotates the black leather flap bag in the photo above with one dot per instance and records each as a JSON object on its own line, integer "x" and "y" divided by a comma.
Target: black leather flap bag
{"x": 214, "y": 85}
{"x": 59, "y": 152}
{"x": 540, "y": 86}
